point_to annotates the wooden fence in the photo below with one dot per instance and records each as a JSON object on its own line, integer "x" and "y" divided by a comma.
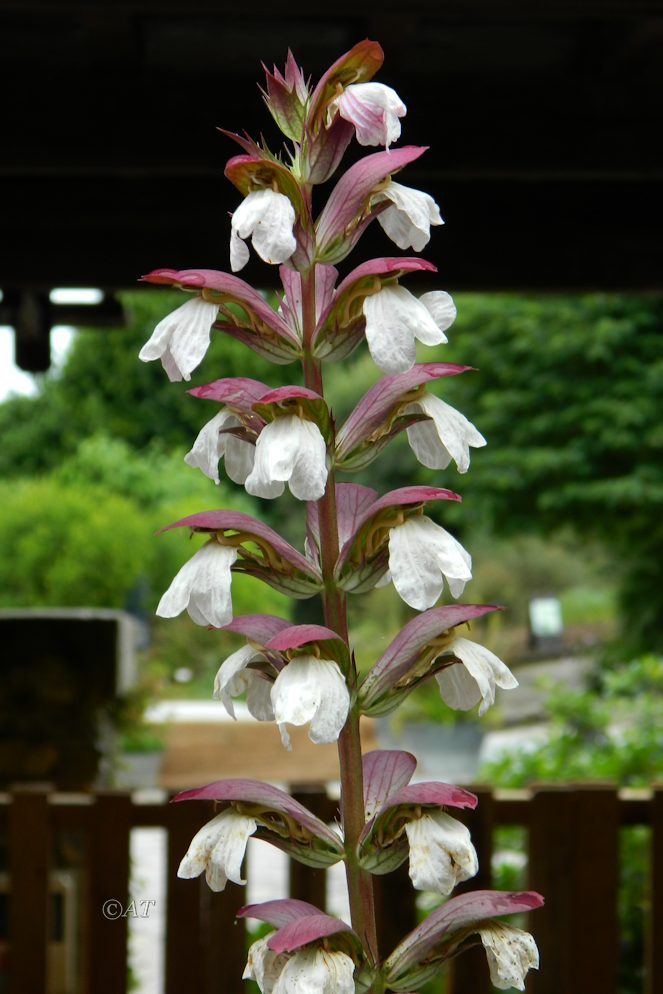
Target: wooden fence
{"x": 573, "y": 859}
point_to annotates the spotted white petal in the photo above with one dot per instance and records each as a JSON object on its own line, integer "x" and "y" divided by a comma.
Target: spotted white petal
{"x": 214, "y": 443}
{"x": 268, "y": 217}
{"x": 312, "y": 690}
{"x": 448, "y": 435}
{"x": 289, "y": 449}
{"x": 374, "y": 109}
{"x": 510, "y": 953}
{"x": 314, "y": 970}
{"x": 218, "y": 849}
{"x": 394, "y": 319}
{"x": 202, "y": 587}
{"x": 441, "y": 852}
{"x": 408, "y": 219}
{"x": 421, "y": 556}
{"x": 476, "y": 679}
{"x": 182, "y": 338}
{"x": 263, "y": 965}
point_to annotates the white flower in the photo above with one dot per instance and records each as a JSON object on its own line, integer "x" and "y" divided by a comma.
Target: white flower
{"x": 213, "y": 444}
{"x": 510, "y": 953}
{"x": 263, "y": 965}
{"x": 407, "y": 221}
{"x": 441, "y": 852}
{"x": 311, "y": 690}
{"x": 289, "y": 449}
{"x": 464, "y": 686}
{"x": 313, "y": 970}
{"x": 269, "y": 217}
{"x": 202, "y": 587}
{"x": 395, "y": 318}
{"x": 234, "y": 678}
{"x": 421, "y": 556}
{"x": 181, "y": 339}
{"x": 374, "y": 110}
{"x": 218, "y": 849}
{"x": 448, "y": 435}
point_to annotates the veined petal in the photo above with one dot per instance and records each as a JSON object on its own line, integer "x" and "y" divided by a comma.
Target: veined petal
{"x": 239, "y": 252}
{"x": 182, "y": 338}
{"x": 209, "y": 444}
{"x": 202, "y": 587}
{"x": 315, "y": 970}
{"x": 441, "y": 852}
{"x": 510, "y": 953}
{"x": 421, "y": 556}
{"x": 475, "y": 680}
{"x": 312, "y": 690}
{"x": 374, "y": 109}
{"x": 259, "y": 698}
{"x": 268, "y": 217}
{"x": 289, "y": 449}
{"x": 263, "y": 965}
{"x": 448, "y": 435}
{"x": 409, "y": 218}
{"x": 232, "y": 678}
{"x": 218, "y": 848}
{"x": 394, "y": 319}
{"x": 441, "y": 307}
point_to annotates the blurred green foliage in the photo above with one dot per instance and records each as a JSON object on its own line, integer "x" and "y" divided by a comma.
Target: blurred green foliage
{"x": 613, "y": 731}
{"x": 85, "y": 533}
{"x": 567, "y": 395}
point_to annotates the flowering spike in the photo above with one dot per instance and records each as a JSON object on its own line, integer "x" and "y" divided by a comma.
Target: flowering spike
{"x": 355, "y": 539}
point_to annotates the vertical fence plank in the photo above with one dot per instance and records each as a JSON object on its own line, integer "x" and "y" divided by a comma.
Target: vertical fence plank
{"x": 108, "y": 894}
{"x": 29, "y": 861}
{"x": 305, "y": 883}
{"x": 469, "y": 973}
{"x": 395, "y": 908}
{"x": 573, "y": 862}
{"x": 224, "y": 940}
{"x": 184, "y": 962}
{"x": 654, "y": 964}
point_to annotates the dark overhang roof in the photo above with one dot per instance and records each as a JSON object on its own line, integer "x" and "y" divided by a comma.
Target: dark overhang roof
{"x": 543, "y": 120}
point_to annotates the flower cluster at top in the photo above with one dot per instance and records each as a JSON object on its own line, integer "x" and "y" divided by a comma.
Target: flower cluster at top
{"x": 356, "y": 540}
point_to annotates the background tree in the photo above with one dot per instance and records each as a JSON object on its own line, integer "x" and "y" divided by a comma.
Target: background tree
{"x": 567, "y": 393}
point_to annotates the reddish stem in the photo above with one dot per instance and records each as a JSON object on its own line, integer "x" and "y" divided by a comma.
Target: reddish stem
{"x": 359, "y": 881}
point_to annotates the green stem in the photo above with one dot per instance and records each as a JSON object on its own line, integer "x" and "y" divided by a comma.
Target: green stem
{"x": 359, "y": 881}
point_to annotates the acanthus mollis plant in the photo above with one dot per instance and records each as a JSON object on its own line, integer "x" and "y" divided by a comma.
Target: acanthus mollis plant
{"x": 268, "y": 439}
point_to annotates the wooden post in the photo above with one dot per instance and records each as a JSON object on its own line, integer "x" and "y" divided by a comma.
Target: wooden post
{"x": 29, "y": 862}
{"x": 395, "y": 907}
{"x": 108, "y": 892}
{"x": 184, "y": 961}
{"x": 654, "y": 953}
{"x": 573, "y": 862}
{"x": 469, "y": 972}
{"x": 305, "y": 883}
{"x": 224, "y": 939}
